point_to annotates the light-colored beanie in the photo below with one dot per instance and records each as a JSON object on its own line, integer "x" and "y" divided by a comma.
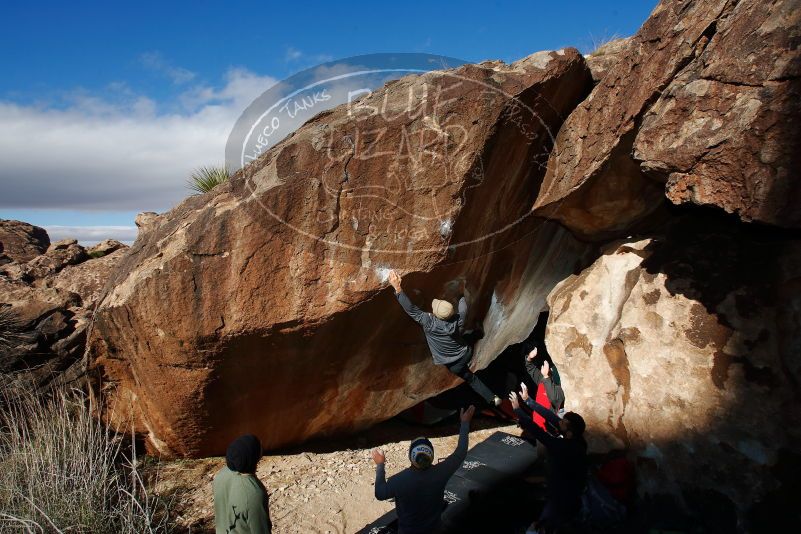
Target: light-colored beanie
{"x": 442, "y": 309}
{"x": 421, "y": 453}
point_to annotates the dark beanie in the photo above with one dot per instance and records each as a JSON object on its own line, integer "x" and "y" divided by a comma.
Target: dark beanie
{"x": 243, "y": 454}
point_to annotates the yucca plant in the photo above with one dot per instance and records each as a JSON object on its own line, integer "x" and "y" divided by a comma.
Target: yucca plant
{"x": 204, "y": 179}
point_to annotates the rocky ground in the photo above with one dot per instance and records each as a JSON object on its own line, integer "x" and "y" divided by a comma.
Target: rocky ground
{"x": 323, "y": 488}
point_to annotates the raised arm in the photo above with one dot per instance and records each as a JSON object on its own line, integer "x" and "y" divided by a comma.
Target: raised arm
{"x": 528, "y": 425}
{"x": 532, "y": 368}
{"x": 450, "y": 464}
{"x": 383, "y": 491}
{"x": 420, "y": 317}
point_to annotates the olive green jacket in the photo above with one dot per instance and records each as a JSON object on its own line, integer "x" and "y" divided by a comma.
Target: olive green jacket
{"x": 241, "y": 505}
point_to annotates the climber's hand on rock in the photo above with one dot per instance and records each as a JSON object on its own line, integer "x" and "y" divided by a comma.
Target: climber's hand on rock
{"x": 467, "y": 415}
{"x": 523, "y": 391}
{"x": 378, "y": 456}
{"x": 513, "y": 400}
{"x": 395, "y": 281}
{"x": 532, "y": 354}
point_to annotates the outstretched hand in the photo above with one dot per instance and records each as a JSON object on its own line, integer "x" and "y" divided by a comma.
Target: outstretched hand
{"x": 531, "y": 355}
{"x": 523, "y": 391}
{"x": 513, "y": 400}
{"x": 378, "y": 456}
{"x": 467, "y": 415}
{"x": 395, "y": 281}
{"x": 546, "y": 369}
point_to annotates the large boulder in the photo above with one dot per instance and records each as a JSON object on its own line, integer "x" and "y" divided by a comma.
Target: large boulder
{"x": 21, "y": 241}
{"x": 702, "y": 108}
{"x": 263, "y": 306}
{"x": 684, "y": 349}
{"x": 726, "y": 132}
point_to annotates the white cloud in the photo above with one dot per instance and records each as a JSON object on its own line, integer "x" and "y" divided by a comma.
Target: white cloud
{"x": 117, "y": 154}
{"x": 90, "y": 235}
{"x": 123, "y": 152}
{"x": 293, "y": 55}
{"x": 155, "y": 61}
{"x": 240, "y": 89}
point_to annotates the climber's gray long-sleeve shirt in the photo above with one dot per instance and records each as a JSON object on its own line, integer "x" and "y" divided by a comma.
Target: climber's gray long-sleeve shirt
{"x": 444, "y": 337}
{"x": 419, "y": 493}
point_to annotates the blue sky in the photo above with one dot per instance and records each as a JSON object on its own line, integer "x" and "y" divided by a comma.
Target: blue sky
{"x": 106, "y": 107}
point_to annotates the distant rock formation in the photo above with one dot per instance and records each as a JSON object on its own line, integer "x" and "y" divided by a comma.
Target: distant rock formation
{"x": 698, "y": 110}
{"x": 89, "y": 278}
{"x": 105, "y": 248}
{"x": 58, "y": 256}
{"x": 47, "y": 299}
{"x": 263, "y": 305}
{"x": 20, "y": 241}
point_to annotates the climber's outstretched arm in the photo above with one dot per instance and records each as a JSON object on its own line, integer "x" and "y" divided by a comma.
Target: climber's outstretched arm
{"x": 422, "y": 318}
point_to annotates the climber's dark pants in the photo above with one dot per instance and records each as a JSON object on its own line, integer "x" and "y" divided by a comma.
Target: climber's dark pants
{"x": 461, "y": 368}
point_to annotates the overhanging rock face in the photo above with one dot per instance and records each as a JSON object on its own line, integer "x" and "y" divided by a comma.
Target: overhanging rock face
{"x": 262, "y": 306}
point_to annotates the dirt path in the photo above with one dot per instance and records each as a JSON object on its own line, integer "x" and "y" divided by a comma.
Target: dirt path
{"x": 326, "y": 488}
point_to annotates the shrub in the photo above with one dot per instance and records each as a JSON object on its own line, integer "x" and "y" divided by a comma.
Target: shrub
{"x": 63, "y": 470}
{"x": 204, "y": 179}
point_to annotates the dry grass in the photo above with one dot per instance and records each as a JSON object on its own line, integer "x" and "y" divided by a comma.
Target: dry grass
{"x": 11, "y": 333}
{"x": 61, "y": 470}
{"x": 597, "y": 44}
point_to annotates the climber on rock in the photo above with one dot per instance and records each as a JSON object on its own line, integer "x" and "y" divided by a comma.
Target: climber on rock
{"x": 419, "y": 490}
{"x": 444, "y": 333}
